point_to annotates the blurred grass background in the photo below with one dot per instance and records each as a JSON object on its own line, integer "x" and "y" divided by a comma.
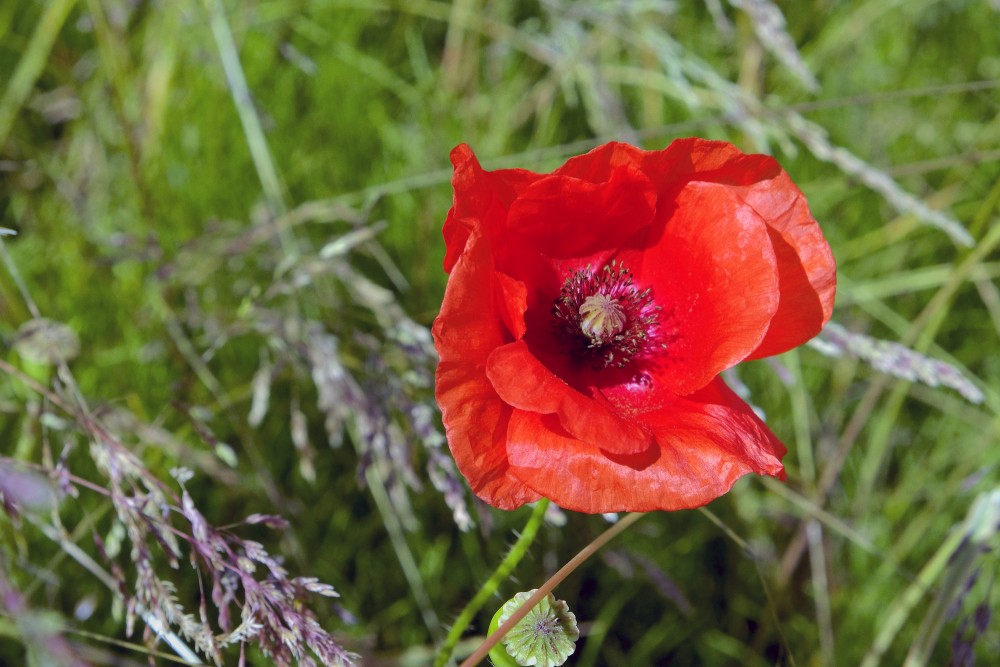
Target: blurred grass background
{"x": 206, "y": 193}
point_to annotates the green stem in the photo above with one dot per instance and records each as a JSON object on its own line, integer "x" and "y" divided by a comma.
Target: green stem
{"x": 253, "y": 129}
{"x": 29, "y": 68}
{"x": 503, "y": 570}
{"x": 547, "y": 587}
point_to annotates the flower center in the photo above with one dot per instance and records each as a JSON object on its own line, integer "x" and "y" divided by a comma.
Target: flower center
{"x": 603, "y": 317}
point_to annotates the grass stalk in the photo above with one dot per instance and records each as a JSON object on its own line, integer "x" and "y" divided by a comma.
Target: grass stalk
{"x": 489, "y": 589}
{"x": 32, "y": 63}
{"x": 546, "y": 588}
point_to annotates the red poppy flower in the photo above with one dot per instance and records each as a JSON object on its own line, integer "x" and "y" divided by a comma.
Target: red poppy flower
{"x": 589, "y": 312}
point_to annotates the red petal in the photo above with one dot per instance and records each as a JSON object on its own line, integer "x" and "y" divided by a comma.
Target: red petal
{"x": 469, "y": 325}
{"x": 476, "y": 422}
{"x": 706, "y": 442}
{"x": 481, "y": 200}
{"x": 714, "y": 274}
{"x": 469, "y": 182}
{"x": 598, "y": 165}
{"x": 524, "y": 383}
{"x": 563, "y": 217}
{"x": 694, "y": 159}
{"x": 468, "y": 328}
{"x": 806, "y": 269}
{"x": 807, "y": 273}
{"x": 512, "y": 297}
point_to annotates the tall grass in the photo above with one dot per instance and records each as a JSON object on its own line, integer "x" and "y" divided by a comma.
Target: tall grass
{"x": 216, "y": 387}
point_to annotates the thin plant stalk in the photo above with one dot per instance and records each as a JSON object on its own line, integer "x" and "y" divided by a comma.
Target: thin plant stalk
{"x": 547, "y": 587}
{"x": 503, "y": 570}
{"x": 29, "y": 68}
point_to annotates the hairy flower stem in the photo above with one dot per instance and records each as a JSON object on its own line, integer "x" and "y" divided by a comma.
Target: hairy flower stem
{"x": 547, "y": 587}
{"x": 503, "y": 570}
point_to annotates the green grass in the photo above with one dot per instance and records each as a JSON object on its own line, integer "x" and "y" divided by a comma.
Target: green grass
{"x": 175, "y": 224}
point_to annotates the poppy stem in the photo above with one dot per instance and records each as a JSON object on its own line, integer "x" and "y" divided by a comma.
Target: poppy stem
{"x": 547, "y": 587}
{"x": 503, "y": 570}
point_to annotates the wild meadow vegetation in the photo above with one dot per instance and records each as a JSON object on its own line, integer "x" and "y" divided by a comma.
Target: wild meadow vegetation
{"x": 218, "y": 434}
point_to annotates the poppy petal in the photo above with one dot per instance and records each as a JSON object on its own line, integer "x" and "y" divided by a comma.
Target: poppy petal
{"x": 694, "y": 159}
{"x": 715, "y": 277}
{"x": 807, "y": 273}
{"x": 512, "y": 297}
{"x": 600, "y": 164}
{"x": 806, "y": 268}
{"x": 481, "y": 199}
{"x": 557, "y": 216}
{"x": 476, "y": 423}
{"x": 469, "y": 325}
{"x": 706, "y": 442}
{"x": 475, "y": 418}
{"x": 523, "y": 382}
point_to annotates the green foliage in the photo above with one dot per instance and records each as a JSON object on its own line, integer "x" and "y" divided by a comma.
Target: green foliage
{"x": 212, "y": 253}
